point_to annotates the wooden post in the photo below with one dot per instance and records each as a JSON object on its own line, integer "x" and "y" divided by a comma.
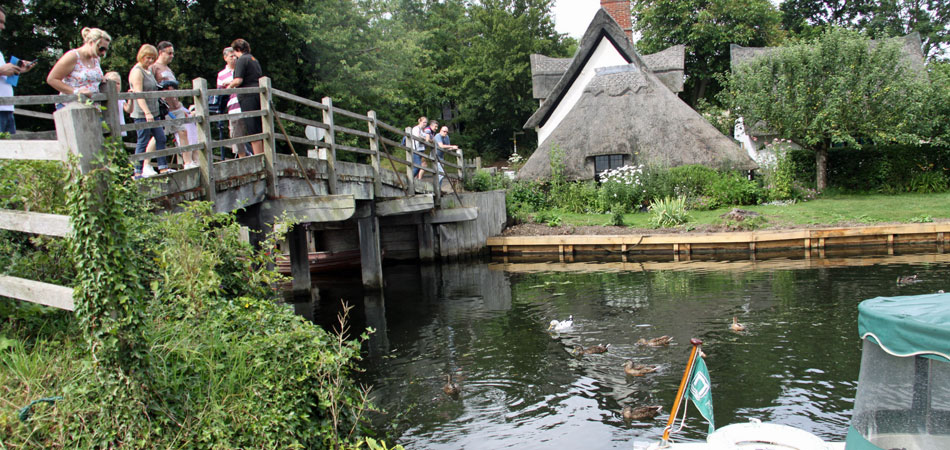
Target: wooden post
{"x": 330, "y": 139}
{"x": 299, "y": 259}
{"x": 374, "y": 158}
{"x": 371, "y": 258}
{"x": 112, "y": 110}
{"x": 270, "y": 153}
{"x": 436, "y": 190}
{"x": 426, "y": 238}
{"x": 206, "y": 154}
{"x": 80, "y": 131}
{"x": 412, "y": 146}
{"x": 461, "y": 161}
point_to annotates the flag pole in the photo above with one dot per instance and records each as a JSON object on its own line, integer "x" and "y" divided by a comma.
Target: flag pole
{"x": 682, "y": 389}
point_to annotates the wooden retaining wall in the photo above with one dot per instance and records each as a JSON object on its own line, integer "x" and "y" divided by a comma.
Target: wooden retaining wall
{"x": 729, "y": 242}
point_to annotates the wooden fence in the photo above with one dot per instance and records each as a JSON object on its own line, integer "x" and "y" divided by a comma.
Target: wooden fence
{"x": 79, "y": 133}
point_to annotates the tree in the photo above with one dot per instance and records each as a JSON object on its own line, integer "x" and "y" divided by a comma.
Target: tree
{"x": 835, "y": 89}
{"x": 878, "y": 18}
{"x": 706, "y": 28}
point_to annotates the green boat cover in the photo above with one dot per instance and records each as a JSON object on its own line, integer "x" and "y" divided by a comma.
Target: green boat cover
{"x": 909, "y": 325}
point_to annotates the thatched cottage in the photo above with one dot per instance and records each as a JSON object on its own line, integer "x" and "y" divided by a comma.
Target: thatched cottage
{"x": 608, "y": 106}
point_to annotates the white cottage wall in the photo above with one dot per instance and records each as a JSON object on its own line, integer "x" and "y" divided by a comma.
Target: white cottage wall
{"x": 604, "y": 56}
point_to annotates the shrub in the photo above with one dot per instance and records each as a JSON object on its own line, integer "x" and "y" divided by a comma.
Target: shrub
{"x": 483, "y": 181}
{"x": 621, "y": 189}
{"x": 578, "y": 197}
{"x": 928, "y": 182}
{"x": 734, "y": 189}
{"x": 668, "y": 212}
{"x": 616, "y": 218}
{"x": 531, "y": 195}
{"x": 692, "y": 180}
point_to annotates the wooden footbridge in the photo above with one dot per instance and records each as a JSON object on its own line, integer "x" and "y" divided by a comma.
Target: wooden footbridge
{"x": 353, "y": 188}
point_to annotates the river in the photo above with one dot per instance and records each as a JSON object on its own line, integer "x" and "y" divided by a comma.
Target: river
{"x": 485, "y": 323}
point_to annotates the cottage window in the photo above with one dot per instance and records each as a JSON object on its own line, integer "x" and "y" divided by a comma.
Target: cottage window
{"x": 604, "y": 163}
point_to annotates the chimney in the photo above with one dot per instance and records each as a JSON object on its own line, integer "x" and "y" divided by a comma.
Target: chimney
{"x": 620, "y": 11}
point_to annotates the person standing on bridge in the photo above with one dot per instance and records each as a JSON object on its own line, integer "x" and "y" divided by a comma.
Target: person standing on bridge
{"x": 247, "y": 72}
{"x": 146, "y": 110}
{"x": 9, "y": 73}
{"x": 185, "y": 134}
{"x": 78, "y": 70}
{"x": 442, "y": 144}
{"x": 419, "y": 137}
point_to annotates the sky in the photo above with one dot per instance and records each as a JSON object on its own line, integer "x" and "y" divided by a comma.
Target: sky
{"x": 573, "y": 16}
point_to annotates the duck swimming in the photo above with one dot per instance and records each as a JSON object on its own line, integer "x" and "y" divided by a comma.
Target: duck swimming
{"x": 736, "y": 326}
{"x": 656, "y": 342}
{"x": 451, "y": 389}
{"x": 562, "y": 325}
{"x": 637, "y": 370}
{"x": 640, "y": 413}
{"x": 579, "y": 350}
{"x": 907, "y": 279}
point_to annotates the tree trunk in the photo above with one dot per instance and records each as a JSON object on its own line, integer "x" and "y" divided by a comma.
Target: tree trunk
{"x": 821, "y": 164}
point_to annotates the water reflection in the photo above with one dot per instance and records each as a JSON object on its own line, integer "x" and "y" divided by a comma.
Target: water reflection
{"x": 797, "y": 363}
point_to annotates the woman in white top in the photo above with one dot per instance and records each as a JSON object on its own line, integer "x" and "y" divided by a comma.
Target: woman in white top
{"x": 78, "y": 71}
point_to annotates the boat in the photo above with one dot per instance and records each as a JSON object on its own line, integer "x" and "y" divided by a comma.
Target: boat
{"x": 324, "y": 261}
{"x": 903, "y": 395}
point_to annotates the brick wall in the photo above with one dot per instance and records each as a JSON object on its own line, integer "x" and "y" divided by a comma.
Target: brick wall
{"x": 620, "y": 11}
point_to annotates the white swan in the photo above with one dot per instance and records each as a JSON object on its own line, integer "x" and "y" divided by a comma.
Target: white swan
{"x": 562, "y": 325}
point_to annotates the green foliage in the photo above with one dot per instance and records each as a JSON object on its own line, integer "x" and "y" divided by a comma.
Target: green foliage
{"x": 928, "y": 182}
{"x": 621, "y": 189}
{"x": 549, "y": 218}
{"x": 527, "y": 194}
{"x": 886, "y": 168}
{"x": 706, "y": 28}
{"x": 834, "y": 90}
{"x": 578, "y": 197}
{"x": 922, "y": 219}
{"x": 779, "y": 178}
{"x": 668, "y": 212}
{"x": 746, "y": 224}
{"x": 877, "y": 19}
{"x": 734, "y": 189}
{"x": 483, "y": 181}
{"x": 616, "y": 218}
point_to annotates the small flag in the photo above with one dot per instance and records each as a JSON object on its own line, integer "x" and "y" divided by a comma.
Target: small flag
{"x": 700, "y": 391}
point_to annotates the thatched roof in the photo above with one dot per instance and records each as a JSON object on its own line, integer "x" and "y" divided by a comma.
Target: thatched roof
{"x": 667, "y": 64}
{"x": 911, "y": 46}
{"x": 624, "y": 109}
{"x": 629, "y": 112}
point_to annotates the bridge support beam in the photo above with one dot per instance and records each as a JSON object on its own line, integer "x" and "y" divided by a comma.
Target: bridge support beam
{"x": 426, "y": 238}
{"x": 371, "y": 255}
{"x": 299, "y": 258}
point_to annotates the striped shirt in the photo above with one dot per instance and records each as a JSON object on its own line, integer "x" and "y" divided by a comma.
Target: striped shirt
{"x": 224, "y": 79}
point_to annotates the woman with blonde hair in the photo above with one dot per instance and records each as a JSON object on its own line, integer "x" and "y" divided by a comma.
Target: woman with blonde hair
{"x": 146, "y": 110}
{"x": 78, "y": 71}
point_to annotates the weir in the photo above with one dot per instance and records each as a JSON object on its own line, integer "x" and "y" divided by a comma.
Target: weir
{"x": 352, "y": 190}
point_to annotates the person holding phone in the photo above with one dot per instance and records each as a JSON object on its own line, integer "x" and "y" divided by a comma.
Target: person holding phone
{"x": 9, "y": 74}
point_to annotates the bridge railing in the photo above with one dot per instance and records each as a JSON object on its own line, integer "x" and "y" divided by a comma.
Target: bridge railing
{"x": 381, "y": 144}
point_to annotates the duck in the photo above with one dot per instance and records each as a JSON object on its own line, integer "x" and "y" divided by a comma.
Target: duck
{"x": 637, "y": 370}
{"x": 451, "y": 389}
{"x": 579, "y": 350}
{"x": 907, "y": 279}
{"x": 640, "y": 413}
{"x": 562, "y": 325}
{"x": 736, "y": 326}
{"x": 656, "y": 342}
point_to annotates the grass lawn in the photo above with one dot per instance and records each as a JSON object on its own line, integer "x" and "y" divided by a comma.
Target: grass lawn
{"x": 842, "y": 210}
